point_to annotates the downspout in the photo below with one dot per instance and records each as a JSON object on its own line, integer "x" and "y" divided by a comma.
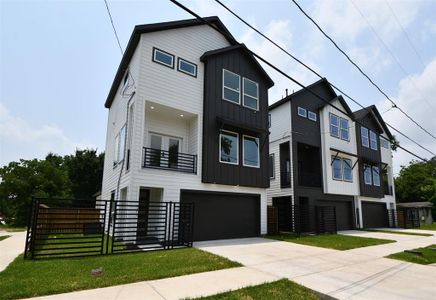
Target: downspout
{"x": 125, "y": 147}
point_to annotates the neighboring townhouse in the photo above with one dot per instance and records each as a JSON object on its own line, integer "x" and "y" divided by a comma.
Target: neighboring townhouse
{"x": 316, "y": 163}
{"x": 188, "y": 122}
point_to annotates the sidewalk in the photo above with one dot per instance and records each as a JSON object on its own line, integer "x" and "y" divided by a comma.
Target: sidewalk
{"x": 181, "y": 287}
{"x": 11, "y": 247}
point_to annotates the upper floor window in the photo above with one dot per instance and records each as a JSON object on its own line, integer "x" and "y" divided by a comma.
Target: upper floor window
{"x": 367, "y": 174}
{"x": 231, "y": 87}
{"x": 302, "y": 112}
{"x": 311, "y": 115}
{"x": 384, "y": 143}
{"x": 187, "y": 67}
{"x": 126, "y": 80}
{"x": 373, "y": 140}
{"x": 229, "y": 147}
{"x": 337, "y": 168}
{"x": 250, "y": 151}
{"x": 251, "y": 94}
{"x": 163, "y": 58}
{"x": 120, "y": 145}
{"x": 269, "y": 120}
{"x": 339, "y": 127}
{"x": 271, "y": 168}
{"x": 348, "y": 169}
{"x": 375, "y": 176}
{"x": 364, "y": 136}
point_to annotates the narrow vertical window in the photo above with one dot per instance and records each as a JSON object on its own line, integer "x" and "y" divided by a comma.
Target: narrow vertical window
{"x": 251, "y": 151}
{"x": 337, "y": 168}
{"x": 367, "y": 174}
{"x": 334, "y": 125}
{"x": 251, "y": 94}
{"x": 373, "y": 140}
{"x": 364, "y": 136}
{"x": 348, "y": 169}
{"x": 375, "y": 176}
{"x": 271, "y": 166}
{"x": 344, "y": 129}
{"x": 231, "y": 87}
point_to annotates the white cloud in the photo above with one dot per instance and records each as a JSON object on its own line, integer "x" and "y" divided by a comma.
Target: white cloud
{"x": 421, "y": 105}
{"x": 370, "y": 58}
{"x": 19, "y": 139}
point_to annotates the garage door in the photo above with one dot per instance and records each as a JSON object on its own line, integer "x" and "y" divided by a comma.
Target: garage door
{"x": 224, "y": 215}
{"x": 374, "y": 215}
{"x": 344, "y": 213}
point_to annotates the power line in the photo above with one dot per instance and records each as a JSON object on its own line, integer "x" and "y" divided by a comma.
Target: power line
{"x": 314, "y": 72}
{"x": 113, "y": 27}
{"x": 282, "y": 72}
{"x": 361, "y": 71}
{"x": 391, "y": 53}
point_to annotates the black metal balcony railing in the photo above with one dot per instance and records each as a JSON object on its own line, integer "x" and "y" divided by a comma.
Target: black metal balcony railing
{"x": 309, "y": 179}
{"x": 285, "y": 179}
{"x": 169, "y": 160}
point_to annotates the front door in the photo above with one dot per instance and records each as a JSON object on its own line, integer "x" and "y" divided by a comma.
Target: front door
{"x": 142, "y": 221}
{"x": 165, "y": 151}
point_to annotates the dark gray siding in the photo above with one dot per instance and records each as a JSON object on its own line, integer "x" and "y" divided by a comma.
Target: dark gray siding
{"x": 369, "y": 156}
{"x": 241, "y": 120}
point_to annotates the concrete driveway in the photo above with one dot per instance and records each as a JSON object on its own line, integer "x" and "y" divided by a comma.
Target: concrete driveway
{"x": 360, "y": 273}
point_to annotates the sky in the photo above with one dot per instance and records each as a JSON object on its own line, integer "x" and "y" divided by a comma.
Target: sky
{"x": 58, "y": 60}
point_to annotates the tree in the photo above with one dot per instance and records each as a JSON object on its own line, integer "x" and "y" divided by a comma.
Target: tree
{"x": 26, "y": 178}
{"x": 417, "y": 182}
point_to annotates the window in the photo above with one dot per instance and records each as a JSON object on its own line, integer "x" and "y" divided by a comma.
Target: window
{"x": 375, "y": 176}
{"x": 344, "y": 129}
{"x": 302, "y": 112}
{"x": 364, "y": 136}
{"x": 311, "y": 115}
{"x": 348, "y": 169}
{"x": 384, "y": 143}
{"x": 251, "y": 94}
{"x": 334, "y": 125}
{"x": 164, "y": 58}
{"x": 116, "y": 149}
{"x": 187, "y": 67}
{"x": 373, "y": 140}
{"x": 251, "y": 151}
{"x": 229, "y": 147}
{"x": 271, "y": 166}
{"x": 119, "y": 146}
{"x": 125, "y": 81}
{"x": 367, "y": 174}
{"x": 269, "y": 120}
{"x": 231, "y": 87}
{"x": 337, "y": 168}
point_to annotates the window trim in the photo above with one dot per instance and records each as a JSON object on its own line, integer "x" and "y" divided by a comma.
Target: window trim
{"x": 340, "y": 129}
{"x": 384, "y": 140}
{"x": 126, "y": 80}
{"x": 243, "y": 94}
{"x": 298, "y": 112}
{"x": 365, "y": 167}
{"x": 333, "y": 169}
{"x": 273, "y": 165}
{"x": 314, "y": 114}
{"x": 336, "y": 126}
{"x": 162, "y": 63}
{"x": 179, "y": 60}
{"x": 243, "y": 151}
{"x": 361, "y": 136}
{"x": 224, "y": 87}
{"x": 374, "y": 139}
{"x": 237, "y": 148}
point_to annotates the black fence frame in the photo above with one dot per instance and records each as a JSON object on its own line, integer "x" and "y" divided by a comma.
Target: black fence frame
{"x": 64, "y": 228}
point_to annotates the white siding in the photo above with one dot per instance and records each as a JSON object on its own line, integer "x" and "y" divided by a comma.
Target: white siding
{"x": 327, "y": 141}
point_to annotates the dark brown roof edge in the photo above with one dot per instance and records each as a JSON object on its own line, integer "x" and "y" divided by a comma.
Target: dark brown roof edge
{"x": 140, "y": 29}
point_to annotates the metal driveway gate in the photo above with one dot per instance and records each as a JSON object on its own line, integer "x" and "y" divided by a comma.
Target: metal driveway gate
{"x": 75, "y": 228}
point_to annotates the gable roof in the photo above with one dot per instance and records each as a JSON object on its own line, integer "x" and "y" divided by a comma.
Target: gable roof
{"x": 140, "y": 29}
{"x": 324, "y": 82}
{"x": 373, "y": 111}
{"x": 244, "y": 50}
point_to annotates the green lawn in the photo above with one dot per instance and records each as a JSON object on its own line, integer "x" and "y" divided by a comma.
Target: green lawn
{"x": 3, "y": 237}
{"x": 278, "y": 290}
{"x": 12, "y": 229}
{"x": 398, "y": 232}
{"x": 428, "y": 256}
{"x": 27, "y": 278}
{"x": 331, "y": 241}
{"x": 431, "y": 226}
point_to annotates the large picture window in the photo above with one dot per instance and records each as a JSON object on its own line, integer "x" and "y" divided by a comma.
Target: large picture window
{"x": 231, "y": 87}
{"x": 229, "y": 147}
{"x": 342, "y": 169}
{"x": 251, "y": 94}
{"x": 251, "y": 151}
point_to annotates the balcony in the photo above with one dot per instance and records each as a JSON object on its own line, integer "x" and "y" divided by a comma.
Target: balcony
{"x": 169, "y": 160}
{"x": 285, "y": 179}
